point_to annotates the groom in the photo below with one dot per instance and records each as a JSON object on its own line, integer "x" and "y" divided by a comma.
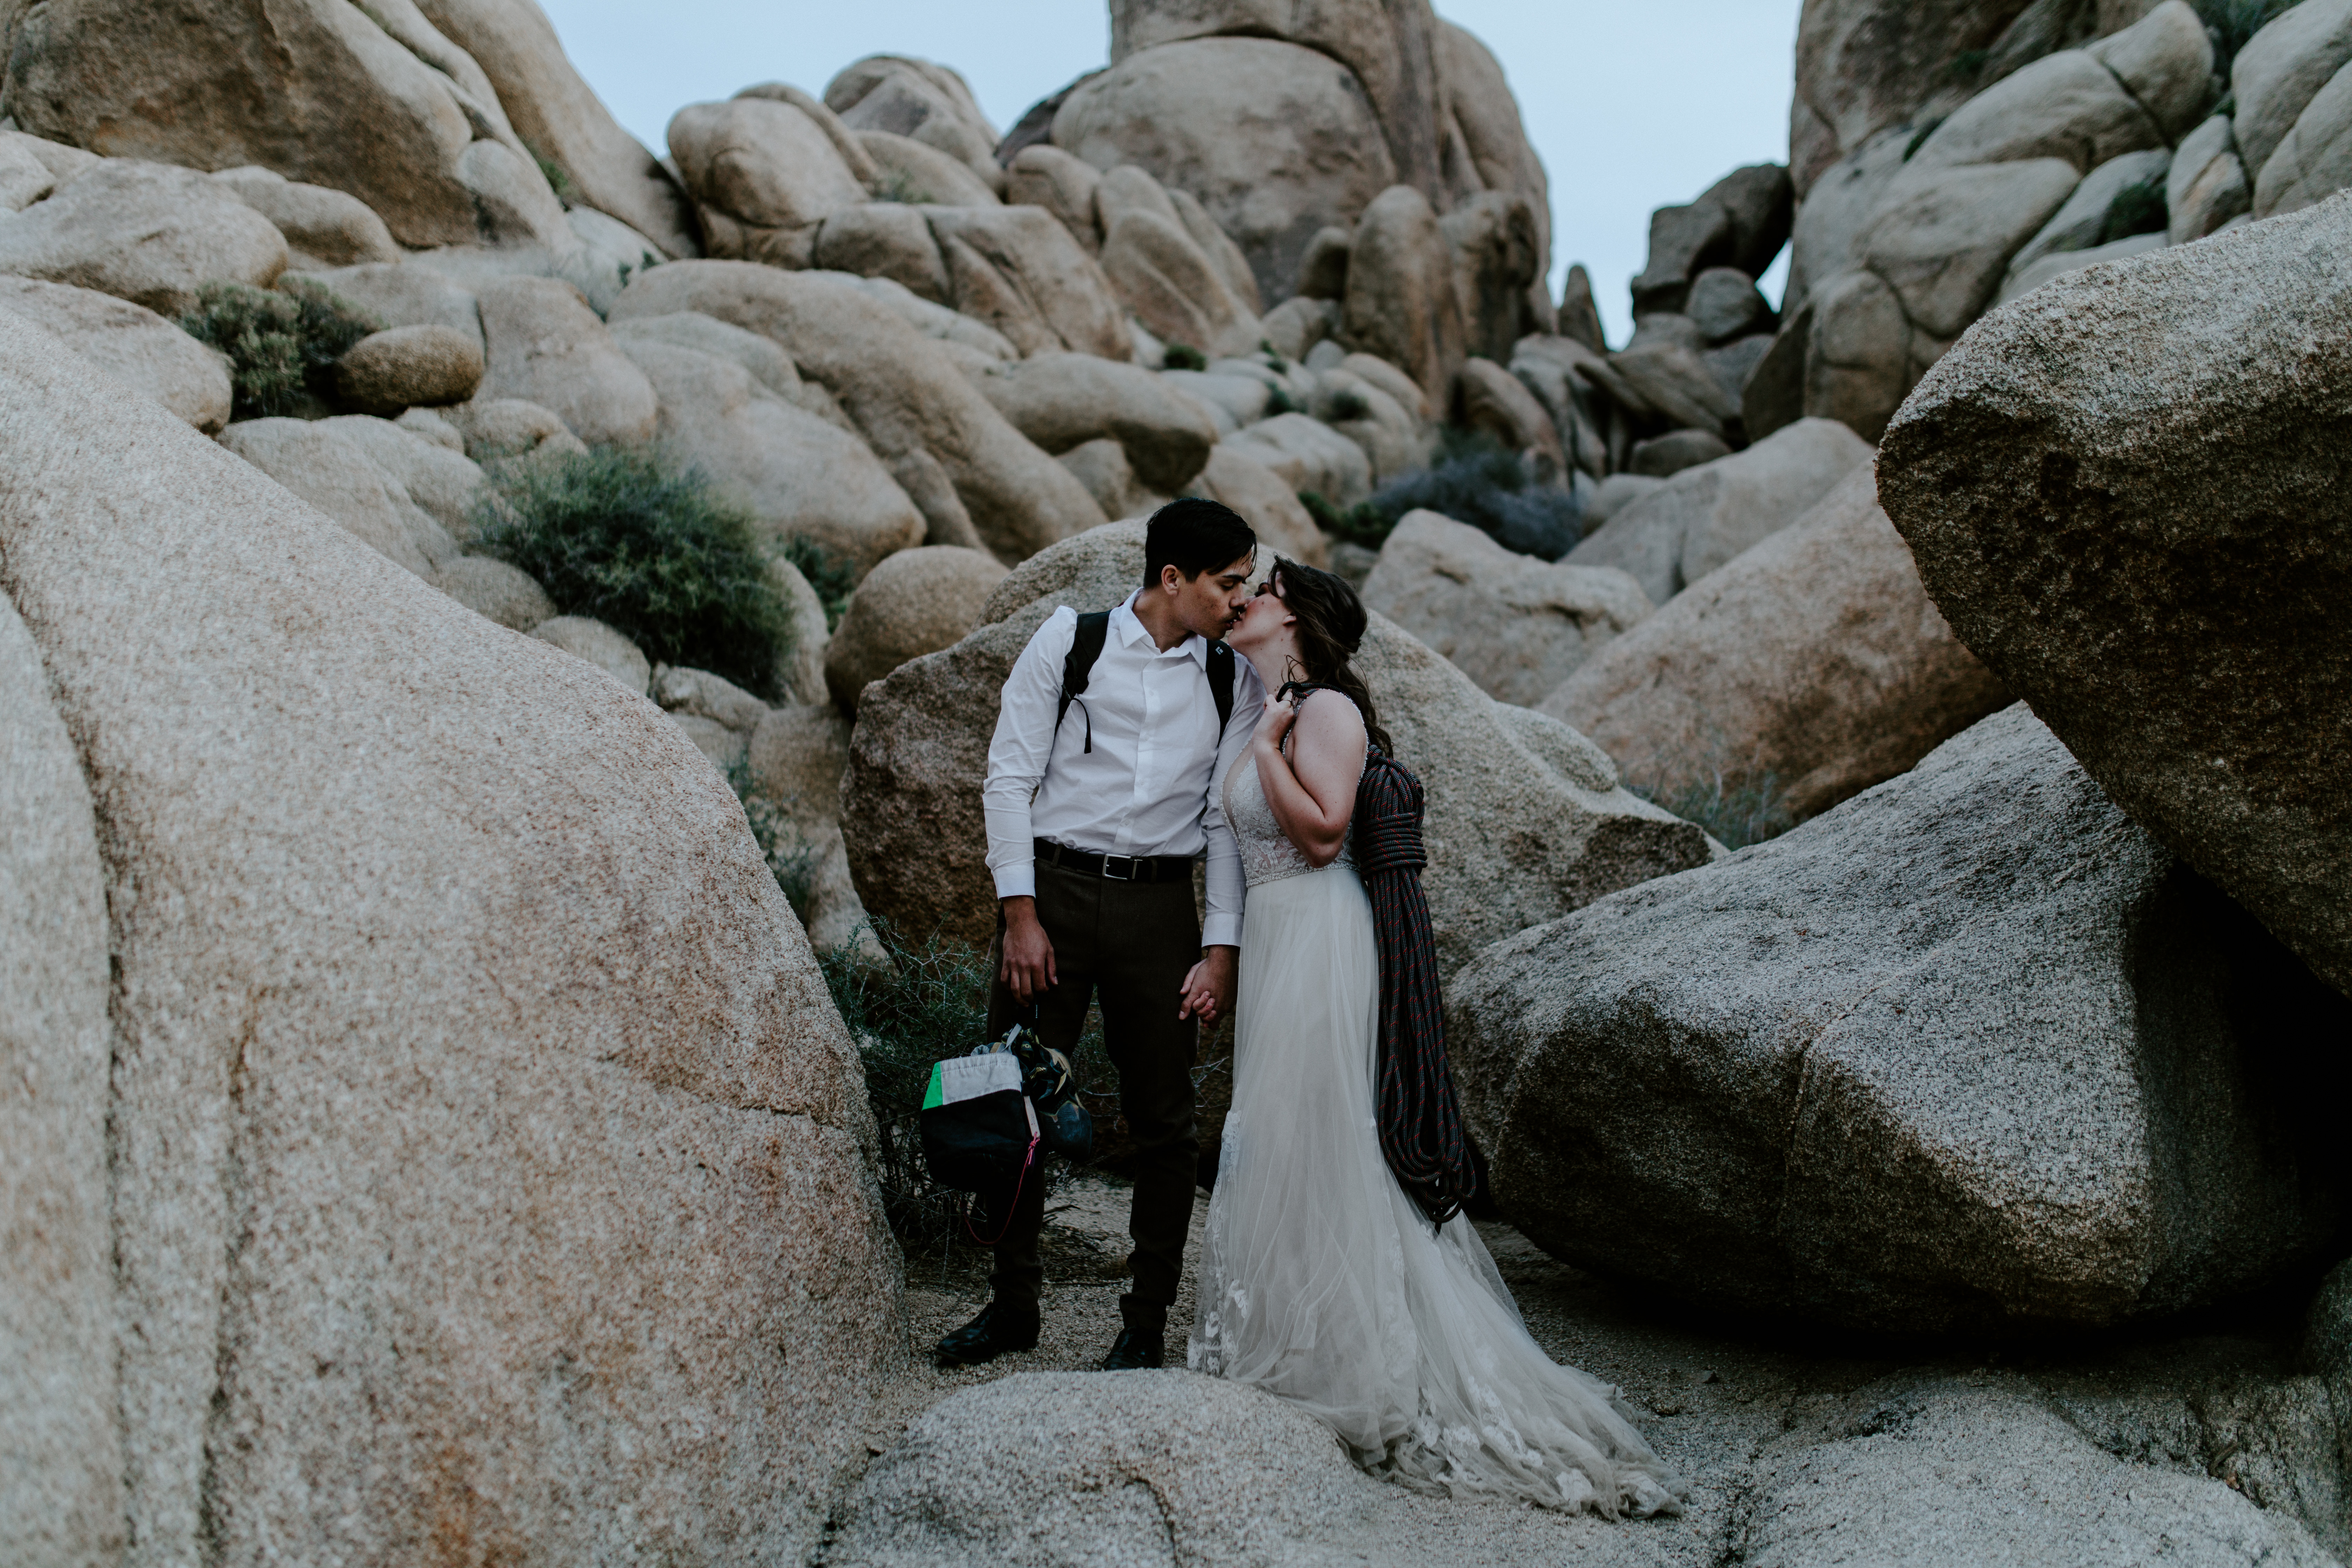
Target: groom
{"x": 1104, "y": 784}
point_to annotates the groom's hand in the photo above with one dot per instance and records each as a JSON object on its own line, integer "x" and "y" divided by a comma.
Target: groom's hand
{"x": 1027, "y": 966}
{"x": 1209, "y": 987}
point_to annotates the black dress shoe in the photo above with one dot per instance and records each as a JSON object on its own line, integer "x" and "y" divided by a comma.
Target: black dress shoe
{"x": 1134, "y": 1348}
{"x": 996, "y": 1331}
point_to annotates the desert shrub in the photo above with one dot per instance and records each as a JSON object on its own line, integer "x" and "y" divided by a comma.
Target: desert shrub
{"x": 2136, "y": 209}
{"x": 2231, "y": 24}
{"x": 1273, "y": 355}
{"x": 832, "y": 578}
{"x": 1738, "y": 812}
{"x": 1348, "y": 404}
{"x": 558, "y": 177}
{"x": 931, "y": 1002}
{"x": 1185, "y": 356}
{"x": 281, "y": 343}
{"x": 1475, "y": 480}
{"x": 898, "y": 186}
{"x": 1278, "y": 401}
{"x": 642, "y": 544}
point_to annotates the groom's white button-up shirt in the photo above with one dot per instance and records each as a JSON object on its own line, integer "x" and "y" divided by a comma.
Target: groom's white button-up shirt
{"x": 1152, "y": 784}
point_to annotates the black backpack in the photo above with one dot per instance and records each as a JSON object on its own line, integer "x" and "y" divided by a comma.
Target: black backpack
{"x": 1077, "y": 668}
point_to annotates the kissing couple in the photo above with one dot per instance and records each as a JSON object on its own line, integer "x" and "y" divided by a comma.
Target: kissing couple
{"x": 1128, "y": 746}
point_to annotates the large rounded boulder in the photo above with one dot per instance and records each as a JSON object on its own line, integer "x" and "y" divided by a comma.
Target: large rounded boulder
{"x": 484, "y": 1164}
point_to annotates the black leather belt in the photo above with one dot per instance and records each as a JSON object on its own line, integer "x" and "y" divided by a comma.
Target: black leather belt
{"x": 1115, "y": 868}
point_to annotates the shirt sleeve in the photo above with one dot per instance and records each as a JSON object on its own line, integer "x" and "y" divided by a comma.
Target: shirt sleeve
{"x": 1222, "y": 925}
{"x": 1017, "y": 755}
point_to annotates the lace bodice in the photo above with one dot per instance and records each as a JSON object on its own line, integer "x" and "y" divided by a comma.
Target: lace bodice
{"x": 1267, "y": 853}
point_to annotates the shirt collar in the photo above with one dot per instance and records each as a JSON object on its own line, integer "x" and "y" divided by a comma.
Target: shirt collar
{"x": 1132, "y": 631}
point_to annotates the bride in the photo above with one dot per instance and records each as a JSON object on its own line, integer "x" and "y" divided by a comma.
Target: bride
{"x": 1322, "y": 1281}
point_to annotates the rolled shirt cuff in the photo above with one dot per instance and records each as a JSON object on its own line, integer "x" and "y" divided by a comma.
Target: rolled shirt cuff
{"x": 1220, "y": 930}
{"x": 1017, "y": 882}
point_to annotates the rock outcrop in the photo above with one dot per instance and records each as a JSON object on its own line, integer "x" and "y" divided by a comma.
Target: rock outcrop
{"x": 1207, "y": 1472}
{"x": 1704, "y": 516}
{"x": 61, "y": 1444}
{"x": 1525, "y": 817}
{"x": 1515, "y": 626}
{"x": 1969, "y": 1053}
{"x": 130, "y": 343}
{"x": 143, "y": 232}
{"x": 451, "y": 1161}
{"x": 977, "y": 480}
{"x": 915, "y": 603}
{"x": 1814, "y": 660}
{"x": 280, "y": 86}
{"x": 2121, "y": 493}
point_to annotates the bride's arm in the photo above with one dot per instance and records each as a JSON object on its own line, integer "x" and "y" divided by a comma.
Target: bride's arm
{"x": 1313, "y": 789}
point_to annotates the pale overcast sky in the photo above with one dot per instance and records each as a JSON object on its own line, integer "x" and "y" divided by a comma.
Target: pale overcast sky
{"x": 1630, "y": 107}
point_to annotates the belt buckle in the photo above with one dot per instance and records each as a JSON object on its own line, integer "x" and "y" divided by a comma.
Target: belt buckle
{"x": 1111, "y": 876}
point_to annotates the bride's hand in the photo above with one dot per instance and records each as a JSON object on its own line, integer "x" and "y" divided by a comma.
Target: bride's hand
{"x": 1281, "y": 713}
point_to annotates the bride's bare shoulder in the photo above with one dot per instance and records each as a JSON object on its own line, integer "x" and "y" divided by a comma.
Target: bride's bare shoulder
{"x": 1328, "y": 719}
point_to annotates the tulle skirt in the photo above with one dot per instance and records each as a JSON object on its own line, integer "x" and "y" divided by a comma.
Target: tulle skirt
{"x": 1323, "y": 1283}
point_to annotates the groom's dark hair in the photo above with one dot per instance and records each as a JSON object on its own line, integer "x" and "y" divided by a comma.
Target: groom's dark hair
{"x": 1194, "y": 536}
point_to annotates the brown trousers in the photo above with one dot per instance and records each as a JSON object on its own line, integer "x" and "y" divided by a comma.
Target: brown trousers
{"x": 1129, "y": 944}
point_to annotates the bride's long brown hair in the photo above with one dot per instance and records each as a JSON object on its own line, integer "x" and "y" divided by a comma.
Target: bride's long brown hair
{"x": 1331, "y": 623}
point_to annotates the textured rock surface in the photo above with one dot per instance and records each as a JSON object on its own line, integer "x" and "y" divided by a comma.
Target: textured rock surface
{"x": 796, "y": 474}
{"x": 280, "y": 86}
{"x": 601, "y": 646}
{"x": 915, "y": 603}
{"x": 443, "y": 482}
{"x": 1515, "y": 626}
{"x": 323, "y": 227}
{"x": 401, "y": 367}
{"x": 954, "y": 455}
{"x": 544, "y": 345}
{"x": 145, "y": 233}
{"x": 1276, "y": 140}
{"x": 1988, "y": 1469}
{"x": 1704, "y": 516}
{"x": 1086, "y": 1467}
{"x": 130, "y": 343}
{"x": 1525, "y": 818}
{"x": 2122, "y": 493}
{"x": 1059, "y": 401}
{"x": 556, "y": 114}
{"x": 332, "y": 470}
{"x": 467, "y": 1170}
{"x": 1970, "y": 1052}
{"x": 60, "y": 1446}
{"x": 1402, "y": 304}
{"x": 763, "y": 175}
{"x": 496, "y": 591}
{"x": 1814, "y": 658}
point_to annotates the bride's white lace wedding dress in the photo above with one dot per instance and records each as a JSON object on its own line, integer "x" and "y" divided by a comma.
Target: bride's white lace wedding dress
{"x": 1322, "y": 1282}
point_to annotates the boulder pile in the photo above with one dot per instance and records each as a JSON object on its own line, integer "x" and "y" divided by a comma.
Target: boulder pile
{"x": 1883, "y": 751}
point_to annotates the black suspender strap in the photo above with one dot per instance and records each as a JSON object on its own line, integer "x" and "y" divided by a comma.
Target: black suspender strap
{"x": 1085, "y": 647}
{"x": 1077, "y": 668}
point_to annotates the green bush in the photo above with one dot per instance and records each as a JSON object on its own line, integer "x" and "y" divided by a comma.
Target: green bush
{"x": 644, "y": 546}
{"x": 281, "y": 343}
{"x": 2136, "y": 209}
{"x": 832, "y": 578}
{"x": 898, "y": 185}
{"x": 1273, "y": 355}
{"x": 2233, "y": 23}
{"x": 1475, "y": 480}
{"x": 1278, "y": 401}
{"x": 1348, "y": 404}
{"x": 932, "y": 1002}
{"x": 1740, "y": 812}
{"x": 1185, "y": 356}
